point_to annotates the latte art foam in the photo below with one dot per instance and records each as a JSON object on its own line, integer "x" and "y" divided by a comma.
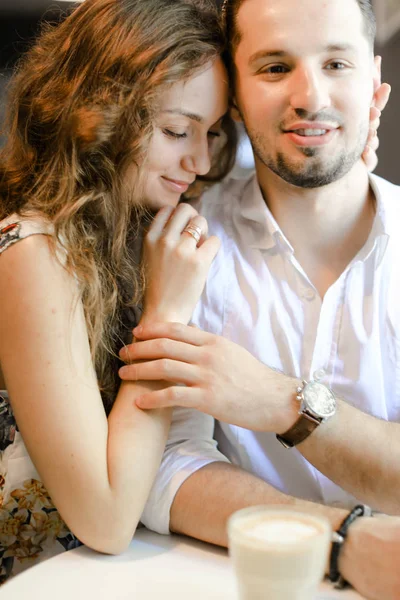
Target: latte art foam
{"x": 280, "y": 531}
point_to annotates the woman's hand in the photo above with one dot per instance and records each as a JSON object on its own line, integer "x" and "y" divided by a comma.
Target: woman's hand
{"x": 176, "y": 265}
{"x": 380, "y": 100}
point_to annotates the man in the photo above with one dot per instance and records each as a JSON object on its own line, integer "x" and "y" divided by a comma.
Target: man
{"x": 306, "y": 283}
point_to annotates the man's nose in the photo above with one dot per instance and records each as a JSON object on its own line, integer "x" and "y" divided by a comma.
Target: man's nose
{"x": 310, "y": 90}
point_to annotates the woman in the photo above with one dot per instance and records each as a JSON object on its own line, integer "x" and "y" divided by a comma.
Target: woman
{"x": 112, "y": 116}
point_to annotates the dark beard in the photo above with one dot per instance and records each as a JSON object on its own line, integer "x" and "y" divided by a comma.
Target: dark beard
{"x": 317, "y": 174}
{"x": 314, "y": 173}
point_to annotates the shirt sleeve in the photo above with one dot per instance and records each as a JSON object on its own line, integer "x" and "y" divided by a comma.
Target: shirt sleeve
{"x": 190, "y": 447}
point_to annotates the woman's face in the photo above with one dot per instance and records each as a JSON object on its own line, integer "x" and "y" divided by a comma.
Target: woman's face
{"x": 187, "y": 125}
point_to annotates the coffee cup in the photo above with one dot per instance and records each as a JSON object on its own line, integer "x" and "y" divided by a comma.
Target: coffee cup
{"x": 278, "y": 553}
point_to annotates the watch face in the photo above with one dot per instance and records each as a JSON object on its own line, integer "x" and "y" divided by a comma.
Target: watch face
{"x": 319, "y": 399}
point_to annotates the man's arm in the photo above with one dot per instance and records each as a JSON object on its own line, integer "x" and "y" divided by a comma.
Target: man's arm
{"x": 355, "y": 450}
{"x": 207, "y": 498}
{"x": 361, "y": 454}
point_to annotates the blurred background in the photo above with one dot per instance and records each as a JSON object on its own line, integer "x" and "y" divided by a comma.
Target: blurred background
{"x": 20, "y": 20}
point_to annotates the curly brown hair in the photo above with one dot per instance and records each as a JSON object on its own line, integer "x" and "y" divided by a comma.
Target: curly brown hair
{"x": 80, "y": 115}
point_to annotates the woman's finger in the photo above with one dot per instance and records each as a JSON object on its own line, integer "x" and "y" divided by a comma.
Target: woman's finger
{"x": 178, "y": 220}
{"x": 374, "y": 113}
{"x": 172, "y": 331}
{"x": 161, "y": 370}
{"x": 159, "y": 348}
{"x": 159, "y": 222}
{"x": 373, "y": 127}
{"x": 200, "y": 225}
{"x": 209, "y": 249}
{"x": 374, "y": 117}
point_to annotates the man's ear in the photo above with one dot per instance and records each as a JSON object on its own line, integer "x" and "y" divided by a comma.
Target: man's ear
{"x": 235, "y": 113}
{"x": 377, "y": 72}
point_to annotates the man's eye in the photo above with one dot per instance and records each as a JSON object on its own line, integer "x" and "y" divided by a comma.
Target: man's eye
{"x": 275, "y": 69}
{"x": 214, "y": 134}
{"x": 174, "y": 134}
{"x": 336, "y": 66}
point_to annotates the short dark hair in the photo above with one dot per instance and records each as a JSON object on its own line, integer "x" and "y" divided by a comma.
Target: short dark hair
{"x": 369, "y": 18}
{"x": 231, "y": 9}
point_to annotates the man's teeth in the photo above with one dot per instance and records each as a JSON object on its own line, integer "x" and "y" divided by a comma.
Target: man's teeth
{"x": 311, "y": 132}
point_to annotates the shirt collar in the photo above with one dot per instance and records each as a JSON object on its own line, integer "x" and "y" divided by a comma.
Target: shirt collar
{"x": 378, "y": 238}
{"x": 263, "y": 232}
{"x": 260, "y": 228}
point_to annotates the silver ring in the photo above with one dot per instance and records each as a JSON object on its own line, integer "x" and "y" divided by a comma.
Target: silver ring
{"x": 194, "y": 231}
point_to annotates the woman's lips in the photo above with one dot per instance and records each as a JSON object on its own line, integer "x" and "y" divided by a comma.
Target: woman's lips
{"x": 175, "y": 185}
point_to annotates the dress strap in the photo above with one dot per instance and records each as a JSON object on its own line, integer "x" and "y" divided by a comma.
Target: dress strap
{"x": 15, "y": 228}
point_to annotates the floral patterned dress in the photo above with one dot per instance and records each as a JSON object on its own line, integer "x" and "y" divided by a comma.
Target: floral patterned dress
{"x": 31, "y": 529}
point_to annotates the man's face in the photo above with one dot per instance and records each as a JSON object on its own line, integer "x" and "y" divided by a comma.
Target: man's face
{"x": 304, "y": 86}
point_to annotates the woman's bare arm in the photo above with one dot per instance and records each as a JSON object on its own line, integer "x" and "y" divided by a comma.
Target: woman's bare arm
{"x": 97, "y": 472}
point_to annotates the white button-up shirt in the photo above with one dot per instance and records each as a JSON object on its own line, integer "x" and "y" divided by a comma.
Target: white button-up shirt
{"x": 258, "y": 296}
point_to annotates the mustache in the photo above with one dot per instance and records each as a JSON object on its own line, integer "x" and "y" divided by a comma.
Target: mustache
{"x": 324, "y": 116}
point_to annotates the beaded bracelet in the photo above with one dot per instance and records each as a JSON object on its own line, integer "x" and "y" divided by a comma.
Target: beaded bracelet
{"x": 338, "y": 538}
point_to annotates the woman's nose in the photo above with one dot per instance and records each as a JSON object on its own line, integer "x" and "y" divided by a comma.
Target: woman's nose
{"x": 198, "y": 161}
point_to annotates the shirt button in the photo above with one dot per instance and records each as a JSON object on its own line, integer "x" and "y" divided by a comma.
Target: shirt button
{"x": 319, "y": 374}
{"x": 309, "y": 294}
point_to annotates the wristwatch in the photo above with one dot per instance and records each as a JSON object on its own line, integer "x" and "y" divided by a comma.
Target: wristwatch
{"x": 317, "y": 405}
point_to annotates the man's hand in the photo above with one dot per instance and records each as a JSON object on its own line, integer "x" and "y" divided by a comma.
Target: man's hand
{"x": 212, "y": 375}
{"x": 369, "y": 559}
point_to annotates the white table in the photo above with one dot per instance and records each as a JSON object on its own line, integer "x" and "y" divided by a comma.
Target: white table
{"x": 154, "y": 567}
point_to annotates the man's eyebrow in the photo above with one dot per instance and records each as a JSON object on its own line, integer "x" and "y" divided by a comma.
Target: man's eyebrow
{"x": 339, "y": 47}
{"x": 282, "y": 53}
{"x": 184, "y": 113}
{"x": 266, "y": 54}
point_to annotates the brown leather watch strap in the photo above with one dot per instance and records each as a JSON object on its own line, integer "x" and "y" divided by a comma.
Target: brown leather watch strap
{"x": 304, "y": 425}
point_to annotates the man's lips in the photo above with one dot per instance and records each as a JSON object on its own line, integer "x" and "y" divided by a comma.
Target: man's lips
{"x": 311, "y": 134}
{"x": 177, "y": 185}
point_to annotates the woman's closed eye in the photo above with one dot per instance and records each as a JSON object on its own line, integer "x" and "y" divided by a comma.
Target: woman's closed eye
{"x": 174, "y": 134}
{"x": 179, "y": 136}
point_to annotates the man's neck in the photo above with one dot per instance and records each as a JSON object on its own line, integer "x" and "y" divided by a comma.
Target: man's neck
{"x": 326, "y": 226}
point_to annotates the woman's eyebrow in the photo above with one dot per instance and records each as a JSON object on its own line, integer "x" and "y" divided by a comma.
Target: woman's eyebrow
{"x": 184, "y": 113}
{"x": 193, "y": 116}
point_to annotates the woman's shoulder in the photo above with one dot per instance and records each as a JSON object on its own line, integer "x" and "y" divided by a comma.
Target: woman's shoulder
{"x": 15, "y": 228}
